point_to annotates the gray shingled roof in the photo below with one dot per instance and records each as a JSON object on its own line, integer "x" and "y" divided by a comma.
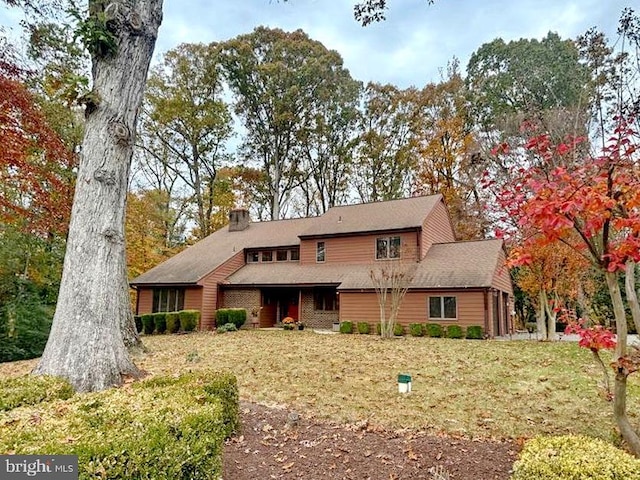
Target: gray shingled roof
{"x": 192, "y": 264}
{"x": 370, "y": 217}
{"x": 447, "y": 265}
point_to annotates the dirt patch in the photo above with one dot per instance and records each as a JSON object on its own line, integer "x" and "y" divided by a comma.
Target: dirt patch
{"x": 275, "y": 443}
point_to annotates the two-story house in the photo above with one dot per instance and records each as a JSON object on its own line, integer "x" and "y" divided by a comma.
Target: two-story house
{"x": 318, "y": 270}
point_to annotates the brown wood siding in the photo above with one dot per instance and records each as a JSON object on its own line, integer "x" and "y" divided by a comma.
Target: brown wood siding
{"x": 363, "y": 307}
{"x": 210, "y": 289}
{"x": 358, "y": 249}
{"x": 437, "y": 228}
{"x": 145, "y": 301}
{"x": 501, "y": 277}
{"x": 193, "y": 299}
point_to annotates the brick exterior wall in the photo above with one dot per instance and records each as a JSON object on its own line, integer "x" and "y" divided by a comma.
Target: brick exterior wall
{"x": 313, "y": 318}
{"x": 247, "y": 298}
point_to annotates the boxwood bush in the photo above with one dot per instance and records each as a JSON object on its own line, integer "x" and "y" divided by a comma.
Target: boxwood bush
{"x": 363, "y": 328}
{"x": 189, "y": 320}
{"x": 346, "y": 327}
{"x": 398, "y": 330}
{"x": 378, "y": 329}
{"x": 162, "y": 428}
{"x": 173, "y": 322}
{"x": 237, "y": 316}
{"x": 148, "y": 325}
{"x": 222, "y": 316}
{"x": 29, "y": 390}
{"x": 455, "y": 331}
{"x": 572, "y": 457}
{"x": 160, "y": 322}
{"x": 433, "y": 330}
{"x": 474, "y": 332}
{"x": 416, "y": 330}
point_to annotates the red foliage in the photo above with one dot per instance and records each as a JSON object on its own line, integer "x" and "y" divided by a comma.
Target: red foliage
{"x": 35, "y": 165}
{"x": 594, "y": 338}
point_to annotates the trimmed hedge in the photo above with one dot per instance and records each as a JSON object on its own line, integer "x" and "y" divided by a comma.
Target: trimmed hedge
{"x": 29, "y": 390}
{"x": 237, "y": 316}
{"x": 222, "y": 316}
{"x": 148, "y": 325}
{"x": 416, "y": 330}
{"x": 378, "y": 329}
{"x": 574, "y": 457}
{"x": 162, "y": 428}
{"x": 455, "y": 331}
{"x": 189, "y": 320}
{"x": 173, "y": 322}
{"x": 474, "y": 332}
{"x": 398, "y": 330}
{"x": 433, "y": 330}
{"x": 160, "y": 321}
{"x": 346, "y": 327}
{"x": 363, "y": 328}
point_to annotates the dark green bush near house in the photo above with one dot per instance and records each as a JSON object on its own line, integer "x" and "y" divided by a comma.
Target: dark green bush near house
{"x": 416, "y": 330}
{"x": 398, "y": 330}
{"x": 138, "y": 321}
{"x": 572, "y": 457}
{"x": 171, "y": 428}
{"x": 378, "y": 329}
{"x": 173, "y": 322}
{"x": 346, "y": 327}
{"x": 160, "y": 322}
{"x": 237, "y": 316}
{"x": 363, "y": 328}
{"x": 148, "y": 325}
{"x": 24, "y": 326}
{"x": 455, "y": 331}
{"x": 433, "y": 330}
{"x": 222, "y": 316}
{"x": 531, "y": 327}
{"x": 30, "y": 390}
{"x": 227, "y": 327}
{"x": 189, "y": 320}
{"x": 474, "y": 332}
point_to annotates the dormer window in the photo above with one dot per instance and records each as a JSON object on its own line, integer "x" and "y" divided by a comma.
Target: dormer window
{"x": 387, "y": 248}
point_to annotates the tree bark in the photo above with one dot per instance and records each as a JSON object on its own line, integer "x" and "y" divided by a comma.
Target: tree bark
{"x": 541, "y": 322}
{"x": 632, "y": 295}
{"x": 93, "y": 321}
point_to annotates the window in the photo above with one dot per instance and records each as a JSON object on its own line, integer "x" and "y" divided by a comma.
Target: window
{"x": 253, "y": 257}
{"x": 267, "y": 256}
{"x": 168, "y": 299}
{"x": 443, "y": 308}
{"x": 295, "y": 254}
{"x": 387, "y": 247}
{"x": 320, "y": 252}
{"x": 326, "y": 299}
{"x": 281, "y": 255}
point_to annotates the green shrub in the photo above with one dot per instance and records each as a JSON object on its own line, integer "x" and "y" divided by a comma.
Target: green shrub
{"x": 138, "y": 321}
{"x": 162, "y": 428}
{"x": 160, "y": 322}
{"x": 31, "y": 389}
{"x": 363, "y": 328}
{"x": 189, "y": 320}
{"x": 237, "y": 316}
{"x": 416, "y": 330}
{"x": 148, "y": 325}
{"x": 531, "y": 327}
{"x": 25, "y": 321}
{"x": 227, "y": 327}
{"x": 346, "y": 327}
{"x": 173, "y": 322}
{"x": 398, "y": 330}
{"x": 433, "y": 330}
{"x": 572, "y": 457}
{"x": 474, "y": 332}
{"x": 455, "y": 331}
{"x": 222, "y": 316}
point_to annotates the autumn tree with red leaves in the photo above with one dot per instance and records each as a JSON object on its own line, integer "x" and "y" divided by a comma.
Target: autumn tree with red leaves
{"x": 593, "y": 207}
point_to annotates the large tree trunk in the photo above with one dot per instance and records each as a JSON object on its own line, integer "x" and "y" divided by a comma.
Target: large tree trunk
{"x": 93, "y": 320}
{"x": 620, "y": 384}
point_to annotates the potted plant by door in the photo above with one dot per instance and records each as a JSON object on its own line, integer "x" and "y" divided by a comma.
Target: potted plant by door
{"x": 300, "y": 326}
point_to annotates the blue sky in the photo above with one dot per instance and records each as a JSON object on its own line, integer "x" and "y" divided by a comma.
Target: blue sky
{"x": 410, "y": 48}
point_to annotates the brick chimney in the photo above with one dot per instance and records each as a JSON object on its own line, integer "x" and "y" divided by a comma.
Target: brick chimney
{"x": 239, "y": 219}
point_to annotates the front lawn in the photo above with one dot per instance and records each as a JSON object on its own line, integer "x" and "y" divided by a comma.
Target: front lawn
{"x": 462, "y": 387}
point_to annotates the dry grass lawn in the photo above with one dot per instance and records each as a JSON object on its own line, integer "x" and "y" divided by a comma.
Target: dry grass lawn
{"x": 476, "y": 389}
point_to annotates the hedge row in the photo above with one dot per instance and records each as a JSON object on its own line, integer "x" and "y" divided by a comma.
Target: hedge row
{"x": 20, "y": 391}
{"x": 237, "y": 316}
{"x": 162, "y": 428}
{"x": 418, "y": 330}
{"x": 163, "y": 322}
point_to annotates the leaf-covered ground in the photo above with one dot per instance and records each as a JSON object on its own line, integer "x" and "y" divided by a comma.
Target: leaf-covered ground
{"x": 472, "y": 389}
